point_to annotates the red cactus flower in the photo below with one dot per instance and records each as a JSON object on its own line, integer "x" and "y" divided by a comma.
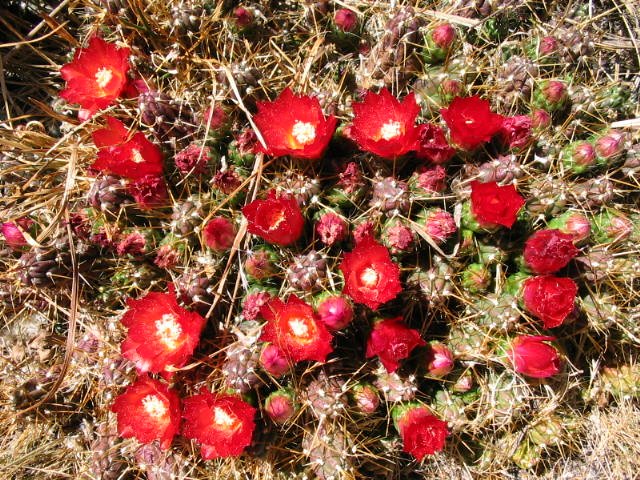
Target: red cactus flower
{"x": 432, "y": 144}
{"x": 533, "y": 358}
{"x": 222, "y": 424}
{"x": 149, "y": 191}
{"x": 345, "y": 19}
{"x": 294, "y": 125}
{"x": 219, "y": 233}
{"x": 276, "y": 219}
{"x": 296, "y": 330}
{"x": 549, "y": 298}
{"x": 119, "y": 153}
{"x": 471, "y": 121}
{"x": 370, "y": 277}
{"x": 547, "y": 251}
{"x": 96, "y": 76}
{"x": 391, "y": 340}
{"x": 517, "y": 132}
{"x": 492, "y": 204}
{"x": 148, "y": 410}
{"x": 422, "y": 433}
{"x": 162, "y": 335}
{"x": 385, "y": 126}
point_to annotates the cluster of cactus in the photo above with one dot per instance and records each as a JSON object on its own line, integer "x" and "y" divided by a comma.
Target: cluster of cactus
{"x": 568, "y": 152}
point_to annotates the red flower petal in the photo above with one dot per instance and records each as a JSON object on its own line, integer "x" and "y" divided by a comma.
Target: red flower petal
{"x": 391, "y": 340}
{"x": 471, "y": 121}
{"x": 295, "y": 330}
{"x": 549, "y": 298}
{"x": 531, "y": 357}
{"x": 384, "y": 126}
{"x": 547, "y": 251}
{"x": 162, "y": 335}
{"x": 422, "y": 433}
{"x": 294, "y": 125}
{"x": 148, "y": 410}
{"x": 277, "y": 220}
{"x": 131, "y": 158}
{"x": 222, "y": 424}
{"x": 492, "y": 204}
{"x": 96, "y": 76}
{"x": 370, "y": 276}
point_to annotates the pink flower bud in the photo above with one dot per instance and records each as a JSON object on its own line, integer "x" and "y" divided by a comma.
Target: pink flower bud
{"x": 443, "y": 35}
{"x": 345, "y": 19}
{"x": 578, "y": 226}
{"x": 464, "y": 383}
{"x": 451, "y": 87}
{"x": 439, "y": 360}
{"x": 610, "y": 145}
{"x": 260, "y": 264}
{"x": 548, "y": 45}
{"x": 439, "y": 225}
{"x": 620, "y": 227}
{"x": 252, "y": 304}
{"x": 280, "y": 405}
{"x": 366, "y": 398}
{"x": 12, "y": 234}
{"x": 335, "y": 312}
{"x": 555, "y": 91}
{"x": 219, "y": 233}
{"x": 273, "y": 360}
{"x": 584, "y": 154}
{"x": 215, "y": 118}
{"x": 243, "y": 17}
{"x": 540, "y": 119}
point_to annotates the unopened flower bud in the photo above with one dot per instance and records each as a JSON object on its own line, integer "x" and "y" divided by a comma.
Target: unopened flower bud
{"x": 366, "y": 398}
{"x": 439, "y": 224}
{"x": 335, "y": 311}
{"x": 439, "y": 360}
{"x": 443, "y": 35}
{"x": 346, "y": 20}
{"x": 273, "y": 360}
{"x": 280, "y": 405}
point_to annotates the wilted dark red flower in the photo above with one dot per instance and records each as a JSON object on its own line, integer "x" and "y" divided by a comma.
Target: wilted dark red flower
{"x": 276, "y": 219}
{"x": 331, "y": 228}
{"x": 133, "y": 243}
{"x": 517, "y": 132}
{"x": 294, "y": 125}
{"x": 370, "y": 276}
{"x": 253, "y": 302}
{"x": 391, "y": 340}
{"x": 148, "y": 410}
{"x": 385, "y": 126}
{"x": 296, "y": 330}
{"x": 149, "y": 191}
{"x": 432, "y": 144}
{"x": 533, "y": 358}
{"x": 193, "y": 159}
{"x": 547, "y": 251}
{"x": 119, "y": 153}
{"x": 430, "y": 179}
{"x": 162, "y": 335}
{"x": 492, "y": 204}
{"x": 471, "y": 121}
{"x": 363, "y": 230}
{"x": 422, "y": 433}
{"x": 222, "y": 424}
{"x": 96, "y": 76}
{"x": 549, "y": 298}
{"x": 219, "y": 233}
{"x": 439, "y": 224}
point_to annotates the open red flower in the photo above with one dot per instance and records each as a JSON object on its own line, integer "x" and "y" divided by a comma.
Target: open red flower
{"x": 533, "y": 358}
{"x": 96, "y": 76}
{"x": 391, "y": 340}
{"x": 222, "y": 424}
{"x": 385, "y": 126}
{"x": 119, "y": 153}
{"x": 549, "y": 298}
{"x": 162, "y": 335}
{"x": 492, "y": 204}
{"x": 276, "y": 219}
{"x": 471, "y": 121}
{"x": 370, "y": 276}
{"x": 148, "y": 410}
{"x": 294, "y": 125}
{"x": 295, "y": 330}
{"x": 547, "y": 251}
{"x": 422, "y": 433}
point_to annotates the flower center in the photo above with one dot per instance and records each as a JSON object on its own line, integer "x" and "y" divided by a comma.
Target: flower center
{"x": 299, "y": 327}
{"x": 103, "y": 76}
{"x": 469, "y": 121}
{"x": 136, "y": 156}
{"x": 369, "y": 277}
{"x": 390, "y": 130}
{"x": 303, "y": 132}
{"x": 223, "y": 420}
{"x": 154, "y": 406}
{"x": 276, "y": 220}
{"x": 168, "y": 330}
